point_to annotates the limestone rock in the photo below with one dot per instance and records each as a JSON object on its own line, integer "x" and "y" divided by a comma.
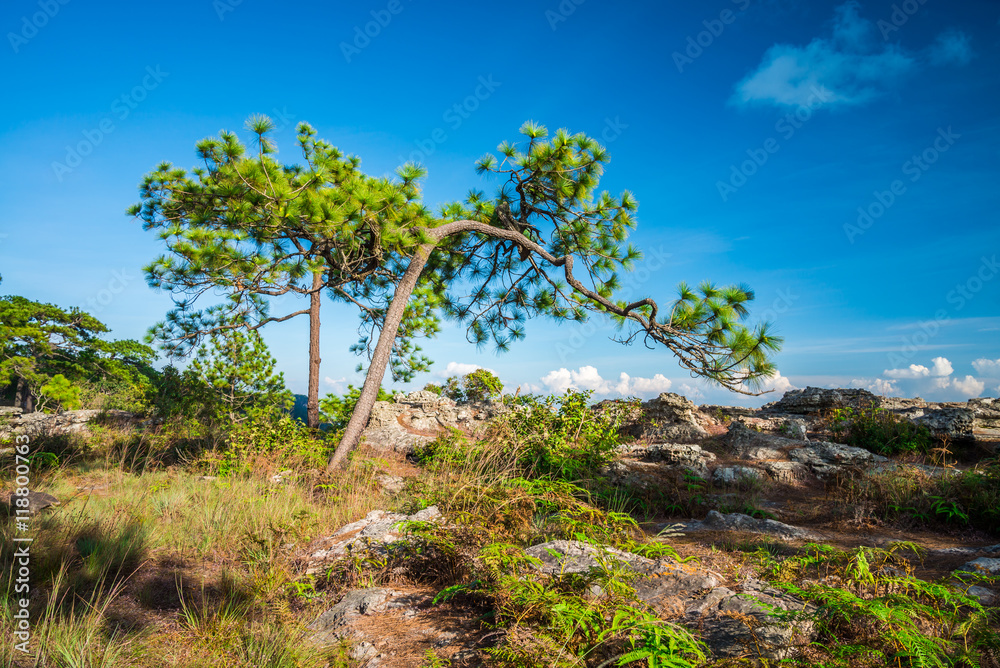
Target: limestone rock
{"x": 573, "y": 556}
{"x": 716, "y": 521}
{"x": 37, "y": 502}
{"x": 986, "y": 412}
{"x": 955, "y": 424}
{"x": 375, "y": 531}
{"x": 67, "y": 422}
{"x": 668, "y": 418}
{"x": 731, "y": 475}
{"x": 814, "y": 400}
{"x": 746, "y": 624}
{"x": 328, "y": 628}
{"x": 674, "y": 455}
{"x": 419, "y": 417}
{"x": 826, "y": 459}
{"x": 983, "y": 565}
{"x": 750, "y": 444}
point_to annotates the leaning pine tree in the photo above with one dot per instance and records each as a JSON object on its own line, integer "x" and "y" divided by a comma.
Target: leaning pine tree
{"x": 548, "y": 244}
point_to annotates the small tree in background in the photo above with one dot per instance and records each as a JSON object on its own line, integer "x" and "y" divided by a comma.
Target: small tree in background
{"x": 482, "y": 385}
{"x": 42, "y": 342}
{"x": 238, "y": 371}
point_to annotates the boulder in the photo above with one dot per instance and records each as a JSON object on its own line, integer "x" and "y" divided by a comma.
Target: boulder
{"x": 37, "y": 502}
{"x": 983, "y": 566}
{"x": 731, "y": 475}
{"x": 716, "y": 521}
{"x": 375, "y": 531}
{"x": 673, "y": 455}
{"x": 748, "y": 443}
{"x": 668, "y": 418}
{"x": 421, "y": 416}
{"x": 758, "y": 622}
{"x": 68, "y": 422}
{"x": 825, "y": 459}
{"x": 986, "y": 412}
{"x": 815, "y": 400}
{"x": 329, "y": 627}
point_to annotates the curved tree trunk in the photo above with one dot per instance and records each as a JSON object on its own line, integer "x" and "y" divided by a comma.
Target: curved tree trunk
{"x": 312, "y": 400}
{"x": 381, "y": 356}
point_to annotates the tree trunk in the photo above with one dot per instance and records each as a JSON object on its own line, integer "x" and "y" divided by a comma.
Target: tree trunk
{"x": 312, "y": 400}
{"x": 23, "y": 398}
{"x": 381, "y": 356}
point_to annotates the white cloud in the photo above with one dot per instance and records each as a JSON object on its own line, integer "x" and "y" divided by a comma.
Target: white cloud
{"x": 850, "y": 67}
{"x": 970, "y": 387}
{"x": 691, "y": 391}
{"x": 952, "y": 47}
{"x": 642, "y": 387}
{"x": 987, "y": 367}
{"x": 588, "y": 378}
{"x": 338, "y": 385}
{"x": 876, "y": 386}
{"x": 778, "y": 383}
{"x": 459, "y": 369}
{"x": 940, "y": 367}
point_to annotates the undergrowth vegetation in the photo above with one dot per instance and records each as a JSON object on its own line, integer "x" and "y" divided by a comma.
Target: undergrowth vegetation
{"x": 178, "y": 542}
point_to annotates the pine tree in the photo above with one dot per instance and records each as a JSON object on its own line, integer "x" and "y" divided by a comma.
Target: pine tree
{"x": 254, "y": 229}
{"x": 43, "y": 346}
{"x": 546, "y": 244}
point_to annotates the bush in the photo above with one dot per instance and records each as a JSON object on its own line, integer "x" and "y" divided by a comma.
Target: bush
{"x": 559, "y": 437}
{"x": 269, "y": 439}
{"x": 878, "y": 430}
{"x": 336, "y": 411}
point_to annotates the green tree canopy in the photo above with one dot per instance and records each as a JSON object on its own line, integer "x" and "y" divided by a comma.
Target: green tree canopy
{"x": 250, "y": 228}
{"x": 40, "y": 342}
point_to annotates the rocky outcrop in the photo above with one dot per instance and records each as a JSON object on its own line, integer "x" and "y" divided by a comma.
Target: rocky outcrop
{"x": 668, "y": 418}
{"x": 375, "y": 532}
{"x": 756, "y": 622}
{"x": 825, "y": 459}
{"x": 815, "y": 400}
{"x": 986, "y": 412}
{"x": 753, "y": 620}
{"x": 14, "y": 422}
{"x": 419, "y": 417}
{"x": 716, "y": 521}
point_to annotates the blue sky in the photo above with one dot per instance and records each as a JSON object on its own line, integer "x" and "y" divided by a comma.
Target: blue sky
{"x": 841, "y": 158}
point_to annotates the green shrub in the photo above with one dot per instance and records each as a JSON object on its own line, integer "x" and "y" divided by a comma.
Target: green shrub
{"x": 878, "y": 430}
{"x": 337, "y": 410}
{"x": 559, "y": 437}
{"x": 268, "y": 438}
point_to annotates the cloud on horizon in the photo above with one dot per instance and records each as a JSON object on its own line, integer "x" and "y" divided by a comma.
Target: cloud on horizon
{"x": 459, "y": 369}
{"x": 589, "y": 378}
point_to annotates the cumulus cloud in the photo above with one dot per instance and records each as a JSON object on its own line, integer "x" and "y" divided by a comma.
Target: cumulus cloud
{"x": 589, "y": 378}
{"x": 952, "y": 47}
{"x": 876, "y": 386}
{"x": 969, "y": 386}
{"x": 850, "y": 67}
{"x": 987, "y": 367}
{"x": 940, "y": 367}
{"x": 459, "y": 369}
{"x": 642, "y": 387}
{"x": 778, "y": 383}
{"x": 691, "y": 391}
{"x": 338, "y": 385}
